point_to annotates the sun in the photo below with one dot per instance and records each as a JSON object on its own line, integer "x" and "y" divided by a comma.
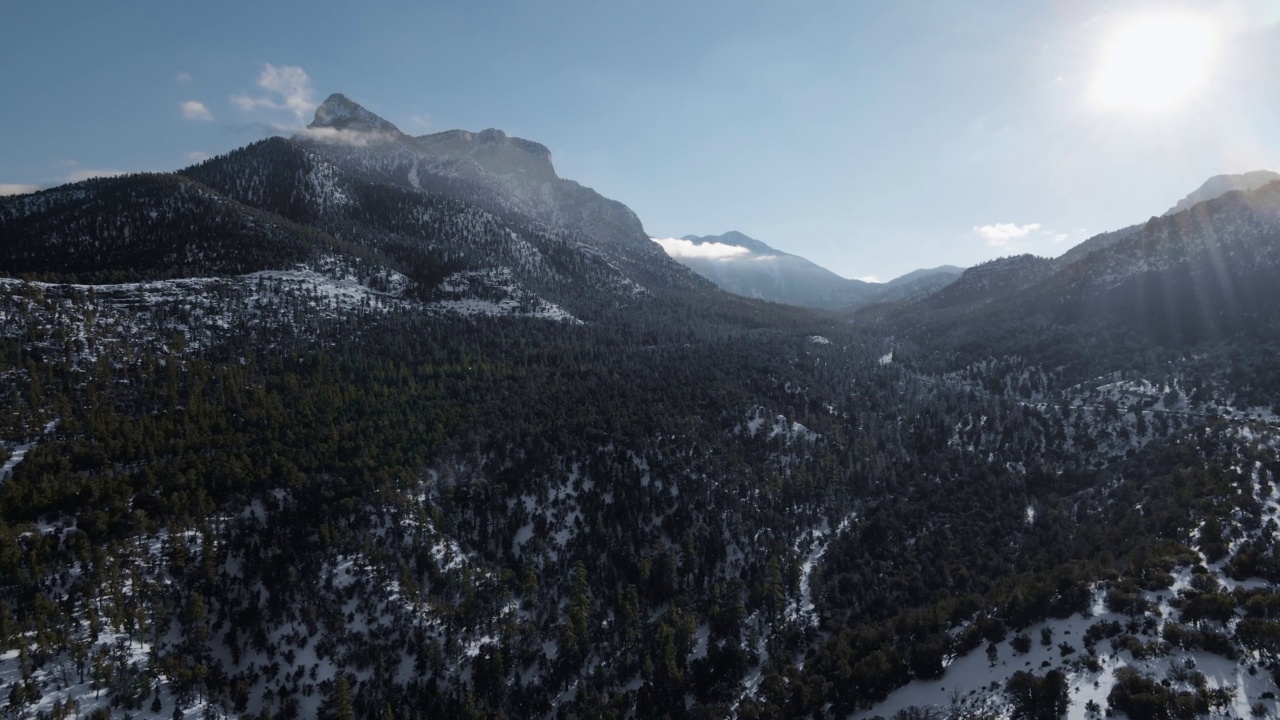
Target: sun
{"x": 1154, "y": 63}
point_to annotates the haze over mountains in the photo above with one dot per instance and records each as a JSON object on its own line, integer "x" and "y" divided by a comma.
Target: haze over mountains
{"x": 1219, "y": 185}
{"x": 745, "y": 266}
{"x": 748, "y": 267}
{"x": 358, "y": 424}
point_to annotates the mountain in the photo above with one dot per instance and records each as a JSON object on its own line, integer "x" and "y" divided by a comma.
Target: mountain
{"x": 1219, "y": 185}
{"x": 1203, "y": 275}
{"x": 745, "y": 266}
{"x": 145, "y": 227}
{"x": 350, "y": 426}
{"x": 506, "y": 176}
{"x": 1097, "y": 242}
{"x": 916, "y": 276}
{"x": 1213, "y": 188}
{"x": 1205, "y": 272}
{"x": 429, "y": 237}
{"x": 916, "y": 285}
{"x": 992, "y": 280}
{"x": 1193, "y": 274}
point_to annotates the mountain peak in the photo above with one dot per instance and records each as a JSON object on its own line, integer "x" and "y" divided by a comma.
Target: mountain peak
{"x": 342, "y": 113}
{"x": 733, "y": 237}
{"x": 1219, "y": 185}
{"x": 497, "y": 152}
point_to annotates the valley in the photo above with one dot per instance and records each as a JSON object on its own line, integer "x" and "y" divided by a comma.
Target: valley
{"x": 363, "y": 424}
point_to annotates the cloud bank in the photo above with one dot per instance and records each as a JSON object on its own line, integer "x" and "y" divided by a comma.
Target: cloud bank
{"x": 342, "y": 136}
{"x": 17, "y": 189}
{"x": 679, "y": 248}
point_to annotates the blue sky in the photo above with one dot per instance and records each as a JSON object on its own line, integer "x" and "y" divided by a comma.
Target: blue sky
{"x": 870, "y": 137}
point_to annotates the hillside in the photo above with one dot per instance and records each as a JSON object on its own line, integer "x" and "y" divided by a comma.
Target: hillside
{"x": 358, "y": 424}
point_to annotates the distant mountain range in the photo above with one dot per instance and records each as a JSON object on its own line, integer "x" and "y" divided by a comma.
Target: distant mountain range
{"x": 748, "y": 267}
{"x": 745, "y": 266}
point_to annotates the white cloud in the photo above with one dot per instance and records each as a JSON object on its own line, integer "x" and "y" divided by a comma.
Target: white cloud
{"x": 288, "y": 88}
{"x": 184, "y": 77}
{"x": 17, "y": 189}
{"x": 1004, "y": 233}
{"x": 678, "y": 248}
{"x": 196, "y": 156}
{"x": 336, "y": 136}
{"x": 870, "y": 279}
{"x": 193, "y": 110}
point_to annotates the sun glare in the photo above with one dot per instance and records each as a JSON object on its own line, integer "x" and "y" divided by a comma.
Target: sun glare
{"x": 1154, "y": 63}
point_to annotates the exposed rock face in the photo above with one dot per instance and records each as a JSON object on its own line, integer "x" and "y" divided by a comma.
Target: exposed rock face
{"x": 341, "y": 113}
{"x": 500, "y": 170}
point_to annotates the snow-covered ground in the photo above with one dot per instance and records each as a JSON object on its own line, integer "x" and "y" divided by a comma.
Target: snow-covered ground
{"x": 801, "y": 607}
{"x": 494, "y": 292}
{"x": 19, "y": 453}
{"x": 778, "y": 426}
{"x": 973, "y": 679}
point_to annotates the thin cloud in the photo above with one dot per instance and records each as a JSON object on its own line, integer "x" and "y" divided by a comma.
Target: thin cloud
{"x": 420, "y": 123}
{"x": 194, "y": 110}
{"x": 337, "y": 136}
{"x": 87, "y": 173}
{"x": 196, "y": 156}
{"x": 1004, "y": 233}
{"x": 184, "y": 78}
{"x": 17, "y": 189}
{"x": 288, "y": 88}
{"x": 678, "y": 248}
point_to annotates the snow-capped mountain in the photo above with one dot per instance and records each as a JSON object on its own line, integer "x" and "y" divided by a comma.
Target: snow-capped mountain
{"x": 745, "y": 266}
{"x": 428, "y": 235}
{"x": 490, "y": 170}
{"x": 748, "y": 267}
{"x": 340, "y": 113}
{"x": 278, "y": 206}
